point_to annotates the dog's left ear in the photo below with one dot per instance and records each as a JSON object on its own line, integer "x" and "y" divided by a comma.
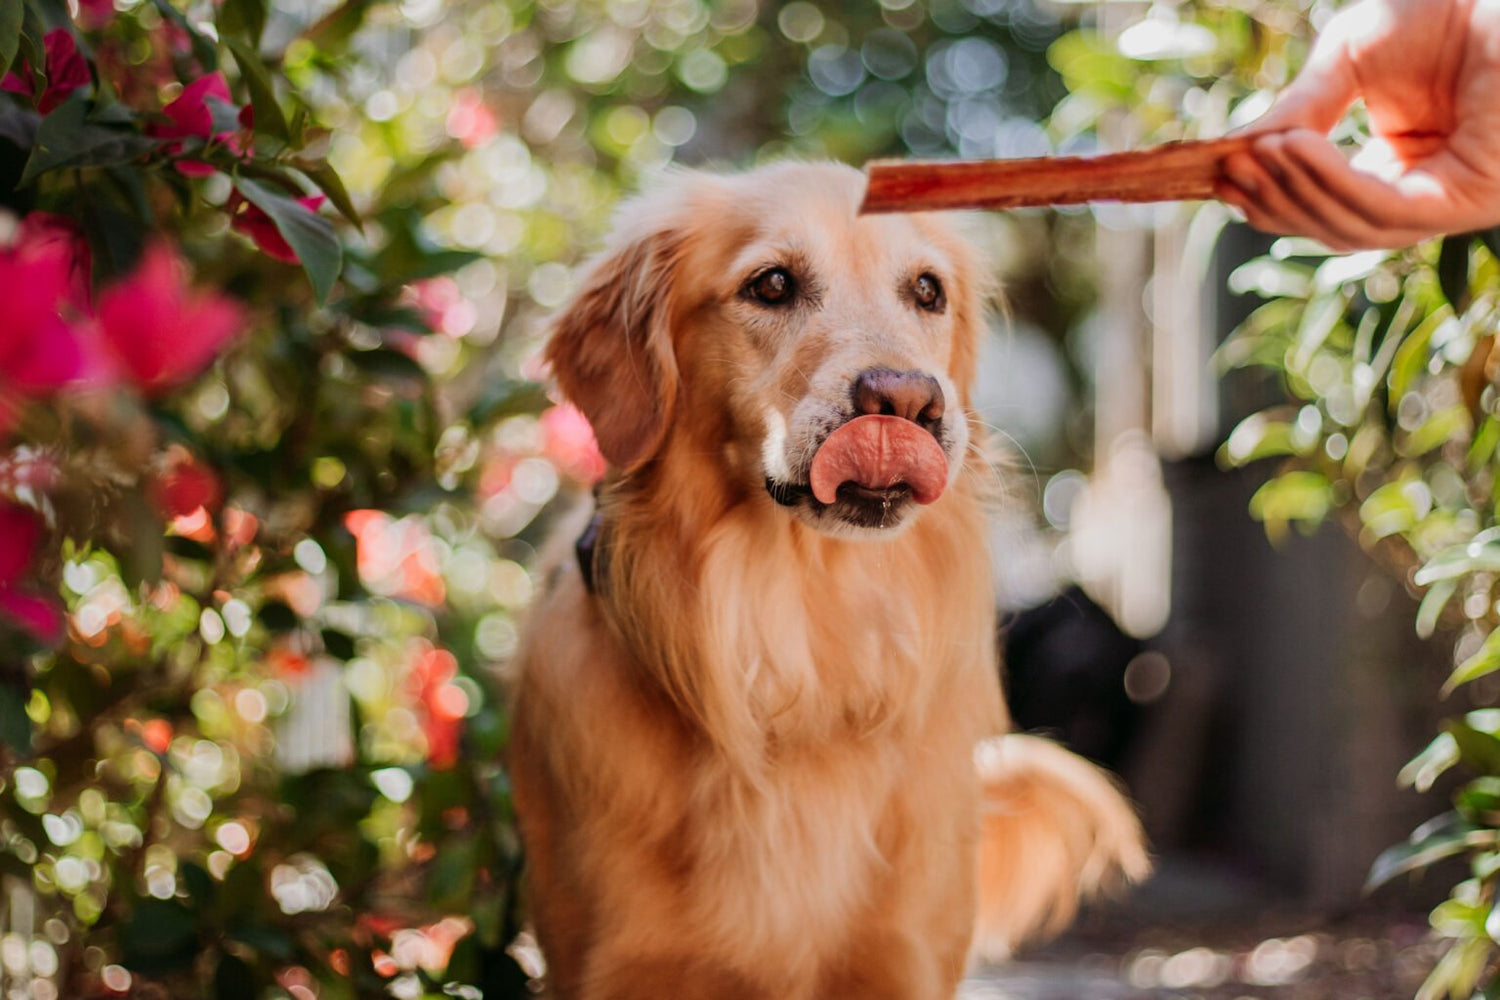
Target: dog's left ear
{"x": 611, "y": 348}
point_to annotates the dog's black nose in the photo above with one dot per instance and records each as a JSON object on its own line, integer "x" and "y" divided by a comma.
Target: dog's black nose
{"x": 915, "y": 396}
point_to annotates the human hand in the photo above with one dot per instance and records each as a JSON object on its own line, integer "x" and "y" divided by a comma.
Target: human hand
{"x": 1429, "y": 74}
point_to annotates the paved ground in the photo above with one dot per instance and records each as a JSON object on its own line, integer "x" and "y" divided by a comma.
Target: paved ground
{"x": 1190, "y": 937}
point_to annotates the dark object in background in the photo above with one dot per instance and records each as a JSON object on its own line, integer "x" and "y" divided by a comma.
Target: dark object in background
{"x": 1064, "y": 666}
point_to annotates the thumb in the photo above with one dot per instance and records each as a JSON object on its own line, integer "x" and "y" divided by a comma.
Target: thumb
{"x": 1320, "y": 94}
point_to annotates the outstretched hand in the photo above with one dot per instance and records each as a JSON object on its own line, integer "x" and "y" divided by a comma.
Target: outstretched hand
{"x": 1429, "y": 74}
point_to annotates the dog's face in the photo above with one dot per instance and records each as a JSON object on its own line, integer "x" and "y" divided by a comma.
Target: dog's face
{"x": 808, "y": 356}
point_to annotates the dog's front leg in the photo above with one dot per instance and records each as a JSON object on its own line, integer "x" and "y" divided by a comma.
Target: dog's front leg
{"x": 612, "y": 977}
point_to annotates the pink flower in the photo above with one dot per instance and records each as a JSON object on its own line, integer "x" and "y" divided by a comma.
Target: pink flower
{"x": 38, "y": 350}
{"x": 67, "y": 71}
{"x": 43, "y": 234}
{"x": 160, "y": 330}
{"x": 192, "y": 117}
{"x": 568, "y": 441}
{"x": 19, "y": 532}
{"x": 469, "y": 120}
{"x": 256, "y": 224}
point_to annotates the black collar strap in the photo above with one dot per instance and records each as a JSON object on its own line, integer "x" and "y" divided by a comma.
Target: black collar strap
{"x": 585, "y": 549}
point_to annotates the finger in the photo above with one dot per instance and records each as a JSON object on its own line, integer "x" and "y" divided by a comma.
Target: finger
{"x": 1394, "y": 214}
{"x": 1338, "y": 224}
{"x": 1268, "y": 206}
{"x": 1324, "y": 89}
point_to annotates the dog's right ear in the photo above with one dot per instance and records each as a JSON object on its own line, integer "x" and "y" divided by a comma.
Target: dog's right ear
{"x": 611, "y": 348}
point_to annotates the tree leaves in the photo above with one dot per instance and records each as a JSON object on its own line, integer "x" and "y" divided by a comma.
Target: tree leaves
{"x": 309, "y": 235}
{"x": 11, "y": 17}
{"x": 66, "y": 138}
{"x": 1442, "y": 837}
{"x": 269, "y": 119}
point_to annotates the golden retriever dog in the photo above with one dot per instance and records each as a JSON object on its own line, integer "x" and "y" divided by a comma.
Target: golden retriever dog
{"x": 749, "y": 751}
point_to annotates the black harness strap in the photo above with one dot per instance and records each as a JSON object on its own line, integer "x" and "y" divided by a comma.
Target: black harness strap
{"x": 585, "y": 549}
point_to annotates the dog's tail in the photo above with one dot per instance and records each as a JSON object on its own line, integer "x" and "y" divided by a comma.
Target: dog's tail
{"x": 1054, "y": 830}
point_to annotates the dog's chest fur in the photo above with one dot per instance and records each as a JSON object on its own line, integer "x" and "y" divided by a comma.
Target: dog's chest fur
{"x": 817, "y": 774}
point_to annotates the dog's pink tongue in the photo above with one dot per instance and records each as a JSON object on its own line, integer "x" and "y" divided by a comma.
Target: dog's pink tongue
{"x": 878, "y": 452}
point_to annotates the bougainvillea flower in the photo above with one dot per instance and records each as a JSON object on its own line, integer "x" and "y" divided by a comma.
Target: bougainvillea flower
{"x": 42, "y": 234}
{"x": 192, "y": 117}
{"x": 160, "y": 330}
{"x": 256, "y": 224}
{"x": 185, "y": 486}
{"x": 396, "y": 558}
{"x": 469, "y": 120}
{"x": 39, "y": 351}
{"x": 568, "y": 441}
{"x": 190, "y": 113}
{"x": 441, "y": 704}
{"x": 19, "y": 533}
{"x": 67, "y": 71}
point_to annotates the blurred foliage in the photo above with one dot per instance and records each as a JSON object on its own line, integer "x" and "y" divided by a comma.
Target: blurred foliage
{"x": 272, "y": 455}
{"x": 1391, "y": 423}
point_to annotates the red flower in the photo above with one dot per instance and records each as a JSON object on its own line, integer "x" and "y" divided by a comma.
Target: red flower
{"x": 185, "y": 486}
{"x": 38, "y": 350}
{"x": 256, "y": 224}
{"x": 441, "y": 704}
{"x": 569, "y": 442}
{"x": 19, "y": 532}
{"x": 43, "y": 234}
{"x": 160, "y": 330}
{"x": 193, "y": 117}
{"x": 67, "y": 71}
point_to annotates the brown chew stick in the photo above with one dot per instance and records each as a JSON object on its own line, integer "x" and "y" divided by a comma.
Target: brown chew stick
{"x": 1174, "y": 171}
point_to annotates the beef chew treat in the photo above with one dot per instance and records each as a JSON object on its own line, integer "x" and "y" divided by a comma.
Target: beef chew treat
{"x": 1174, "y": 171}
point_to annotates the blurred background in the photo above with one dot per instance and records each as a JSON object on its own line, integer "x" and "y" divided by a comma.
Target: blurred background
{"x": 259, "y": 582}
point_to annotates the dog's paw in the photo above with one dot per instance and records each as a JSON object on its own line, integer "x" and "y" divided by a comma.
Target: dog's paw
{"x": 1055, "y": 830}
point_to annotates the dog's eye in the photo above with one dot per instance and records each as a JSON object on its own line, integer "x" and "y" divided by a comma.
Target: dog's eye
{"x": 928, "y": 292}
{"x": 773, "y": 287}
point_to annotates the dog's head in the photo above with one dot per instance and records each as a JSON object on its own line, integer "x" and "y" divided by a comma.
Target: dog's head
{"x": 799, "y": 353}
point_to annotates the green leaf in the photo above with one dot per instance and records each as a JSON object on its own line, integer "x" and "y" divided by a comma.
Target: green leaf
{"x": 11, "y": 16}
{"x": 1431, "y": 608}
{"x": 1479, "y": 800}
{"x": 1484, "y": 661}
{"x": 1411, "y": 357}
{"x": 66, "y": 138}
{"x": 507, "y": 398}
{"x": 1395, "y": 507}
{"x": 245, "y": 19}
{"x": 1448, "y": 424}
{"x": 1426, "y": 767}
{"x": 159, "y": 936}
{"x": 340, "y": 24}
{"x": 338, "y": 644}
{"x": 383, "y": 362}
{"x": 1457, "y": 972}
{"x": 1301, "y": 497}
{"x": 309, "y": 235}
{"x": 1438, "y": 838}
{"x": 1257, "y": 437}
{"x": 1321, "y": 317}
{"x": 15, "y": 724}
{"x": 329, "y": 182}
{"x": 269, "y": 119}
{"x": 234, "y": 979}
{"x": 1453, "y": 270}
{"x": 203, "y": 49}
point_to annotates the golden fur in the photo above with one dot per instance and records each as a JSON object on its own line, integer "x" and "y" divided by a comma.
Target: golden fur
{"x": 745, "y": 768}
